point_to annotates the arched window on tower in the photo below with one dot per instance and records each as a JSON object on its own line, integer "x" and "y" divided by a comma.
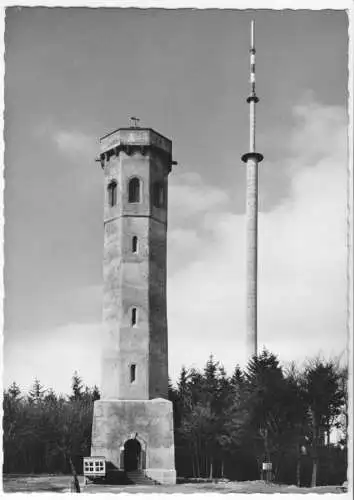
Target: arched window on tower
{"x": 158, "y": 195}
{"x": 134, "y": 190}
{"x": 112, "y": 193}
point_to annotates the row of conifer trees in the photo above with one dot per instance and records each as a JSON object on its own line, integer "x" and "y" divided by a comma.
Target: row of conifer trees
{"x": 225, "y": 426}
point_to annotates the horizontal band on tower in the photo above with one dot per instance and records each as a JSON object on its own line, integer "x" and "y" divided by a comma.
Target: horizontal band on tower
{"x": 248, "y": 156}
{"x": 253, "y": 98}
{"x": 131, "y": 149}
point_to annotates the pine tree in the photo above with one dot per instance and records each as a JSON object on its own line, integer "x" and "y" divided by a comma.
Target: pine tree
{"x": 324, "y": 397}
{"x": 237, "y": 378}
{"x": 267, "y": 400}
{"x": 343, "y": 418}
{"x": 95, "y": 393}
{"x": 36, "y": 393}
{"x": 76, "y": 387}
{"x": 14, "y": 391}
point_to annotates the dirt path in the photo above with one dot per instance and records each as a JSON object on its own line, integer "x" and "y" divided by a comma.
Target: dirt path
{"x": 13, "y": 483}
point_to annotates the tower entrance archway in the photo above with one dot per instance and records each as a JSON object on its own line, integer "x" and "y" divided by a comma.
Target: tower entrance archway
{"x": 132, "y": 455}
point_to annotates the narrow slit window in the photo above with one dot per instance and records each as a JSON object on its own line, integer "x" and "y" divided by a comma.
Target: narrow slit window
{"x": 134, "y": 316}
{"x": 135, "y": 244}
{"x": 112, "y": 193}
{"x": 132, "y": 373}
{"x": 134, "y": 190}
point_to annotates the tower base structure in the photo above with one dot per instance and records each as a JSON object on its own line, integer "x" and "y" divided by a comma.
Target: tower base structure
{"x": 135, "y": 435}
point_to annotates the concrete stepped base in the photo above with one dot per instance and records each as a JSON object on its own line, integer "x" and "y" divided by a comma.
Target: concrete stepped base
{"x": 149, "y": 422}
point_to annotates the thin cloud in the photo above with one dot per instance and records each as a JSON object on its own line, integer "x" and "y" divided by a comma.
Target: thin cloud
{"x": 74, "y": 143}
{"x": 71, "y": 142}
{"x": 190, "y": 196}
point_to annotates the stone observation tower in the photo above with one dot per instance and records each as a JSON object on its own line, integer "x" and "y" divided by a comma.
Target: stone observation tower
{"x": 133, "y": 422}
{"x": 252, "y": 159}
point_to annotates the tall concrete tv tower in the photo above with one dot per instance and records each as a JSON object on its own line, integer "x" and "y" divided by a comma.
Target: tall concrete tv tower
{"x": 252, "y": 159}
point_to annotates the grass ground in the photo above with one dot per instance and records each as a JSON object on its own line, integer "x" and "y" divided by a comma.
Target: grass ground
{"x": 14, "y": 483}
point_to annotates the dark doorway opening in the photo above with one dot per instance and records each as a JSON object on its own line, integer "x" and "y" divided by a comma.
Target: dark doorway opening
{"x": 132, "y": 454}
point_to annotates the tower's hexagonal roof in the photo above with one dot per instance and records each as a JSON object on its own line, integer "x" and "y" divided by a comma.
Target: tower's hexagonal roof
{"x": 135, "y": 137}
